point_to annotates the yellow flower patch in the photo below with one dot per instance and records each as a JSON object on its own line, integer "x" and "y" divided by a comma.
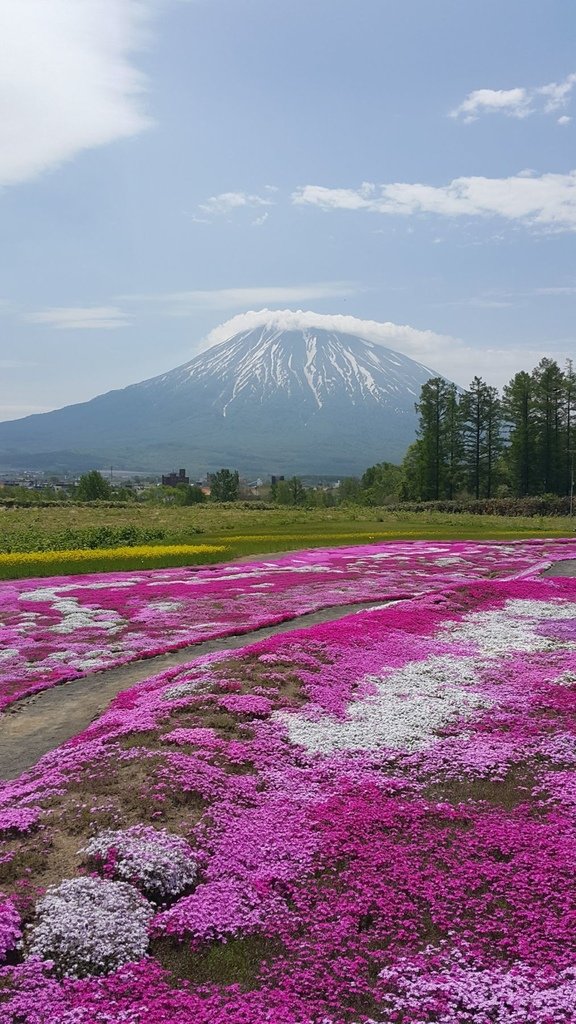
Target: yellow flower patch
{"x": 108, "y": 554}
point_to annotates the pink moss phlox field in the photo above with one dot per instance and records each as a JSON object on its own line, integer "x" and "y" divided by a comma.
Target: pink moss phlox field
{"x": 59, "y": 628}
{"x": 382, "y": 811}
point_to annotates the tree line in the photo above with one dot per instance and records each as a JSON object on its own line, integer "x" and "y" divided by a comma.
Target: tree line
{"x": 484, "y": 444}
{"x": 476, "y": 444}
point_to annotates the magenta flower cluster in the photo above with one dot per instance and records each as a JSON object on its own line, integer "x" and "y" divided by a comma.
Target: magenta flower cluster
{"x": 10, "y": 930}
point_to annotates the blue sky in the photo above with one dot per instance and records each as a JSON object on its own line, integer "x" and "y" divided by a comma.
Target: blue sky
{"x": 166, "y": 165}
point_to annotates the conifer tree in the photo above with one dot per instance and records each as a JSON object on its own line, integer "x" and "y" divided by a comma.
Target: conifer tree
{"x": 453, "y": 441}
{"x": 411, "y": 483}
{"x": 549, "y": 437}
{"x": 438, "y": 438}
{"x": 481, "y": 436}
{"x": 519, "y": 416}
{"x": 569, "y": 425}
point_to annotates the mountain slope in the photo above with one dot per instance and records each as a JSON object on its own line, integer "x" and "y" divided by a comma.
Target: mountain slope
{"x": 266, "y": 400}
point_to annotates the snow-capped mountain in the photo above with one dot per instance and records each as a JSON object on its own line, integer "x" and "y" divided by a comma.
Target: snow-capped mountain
{"x": 316, "y": 368}
{"x": 306, "y": 400}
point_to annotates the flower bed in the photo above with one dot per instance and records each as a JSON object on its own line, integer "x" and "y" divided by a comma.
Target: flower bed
{"x": 382, "y": 813}
{"x": 55, "y": 629}
{"x": 34, "y": 559}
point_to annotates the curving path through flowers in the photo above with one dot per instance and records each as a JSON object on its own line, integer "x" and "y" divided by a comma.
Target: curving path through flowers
{"x": 44, "y": 721}
{"x": 57, "y": 629}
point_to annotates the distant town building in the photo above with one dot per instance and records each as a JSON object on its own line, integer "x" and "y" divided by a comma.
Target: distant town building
{"x": 175, "y": 479}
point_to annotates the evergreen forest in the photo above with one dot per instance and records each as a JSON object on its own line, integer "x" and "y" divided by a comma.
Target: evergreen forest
{"x": 484, "y": 444}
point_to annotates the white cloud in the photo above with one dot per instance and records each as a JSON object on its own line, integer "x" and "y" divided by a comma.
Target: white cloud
{"x": 513, "y": 102}
{"x": 15, "y": 412}
{"x": 446, "y": 355}
{"x": 546, "y": 201}
{"x": 226, "y": 202}
{"x": 564, "y": 119}
{"x": 409, "y": 339}
{"x": 557, "y": 94}
{"x": 104, "y": 318}
{"x": 187, "y": 302}
{"x": 66, "y": 80}
{"x": 520, "y": 102}
{"x": 363, "y": 198}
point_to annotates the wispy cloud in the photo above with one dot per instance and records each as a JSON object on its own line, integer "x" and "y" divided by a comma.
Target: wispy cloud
{"x": 478, "y": 302}
{"x": 403, "y": 337}
{"x": 520, "y": 102}
{"x": 103, "y": 318}
{"x": 547, "y": 201}
{"x": 227, "y": 202}
{"x": 67, "y": 83}
{"x": 184, "y": 303}
{"x": 16, "y": 364}
{"x": 484, "y": 302}
{"x": 559, "y": 289}
{"x": 557, "y": 94}
{"x": 503, "y": 299}
{"x": 15, "y": 412}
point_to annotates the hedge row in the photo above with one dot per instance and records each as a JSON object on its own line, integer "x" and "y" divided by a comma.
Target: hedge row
{"x": 540, "y": 505}
{"x": 61, "y": 503}
{"x": 92, "y": 537}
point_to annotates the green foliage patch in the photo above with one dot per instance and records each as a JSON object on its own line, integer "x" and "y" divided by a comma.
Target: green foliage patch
{"x": 254, "y": 529}
{"x": 33, "y": 538}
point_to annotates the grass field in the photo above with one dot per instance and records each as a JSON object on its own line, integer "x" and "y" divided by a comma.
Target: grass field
{"x": 243, "y": 531}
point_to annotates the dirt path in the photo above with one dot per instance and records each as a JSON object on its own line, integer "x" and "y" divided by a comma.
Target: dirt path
{"x": 564, "y": 568}
{"x": 38, "y": 724}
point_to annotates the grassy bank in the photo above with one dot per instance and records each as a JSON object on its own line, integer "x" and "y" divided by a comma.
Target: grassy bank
{"x": 242, "y": 531}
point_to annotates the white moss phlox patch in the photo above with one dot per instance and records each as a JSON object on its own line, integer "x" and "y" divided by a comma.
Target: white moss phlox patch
{"x": 404, "y": 713}
{"x": 515, "y": 627}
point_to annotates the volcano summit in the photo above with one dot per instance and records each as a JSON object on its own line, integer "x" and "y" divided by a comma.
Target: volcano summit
{"x": 304, "y": 400}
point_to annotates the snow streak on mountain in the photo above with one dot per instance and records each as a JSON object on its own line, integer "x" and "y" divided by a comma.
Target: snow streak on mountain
{"x": 313, "y": 366}
{"x": 267, "y": 400}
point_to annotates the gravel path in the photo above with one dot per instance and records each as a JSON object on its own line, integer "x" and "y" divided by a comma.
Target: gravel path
{"x": 38, "y": 724}
{"x": 564, "y": 568}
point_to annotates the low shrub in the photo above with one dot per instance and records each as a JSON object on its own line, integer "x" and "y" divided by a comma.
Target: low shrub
{"x": 159, "y": 864}
{"x": 179, "y": 690}
{"x": 89, "y": 538}
{"x": 539, "y": 505}
{"x": 89, "y": 926}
